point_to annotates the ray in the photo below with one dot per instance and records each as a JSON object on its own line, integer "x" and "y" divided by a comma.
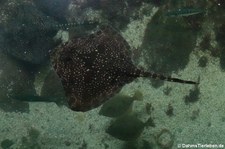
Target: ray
{"x": 95, "y": 67}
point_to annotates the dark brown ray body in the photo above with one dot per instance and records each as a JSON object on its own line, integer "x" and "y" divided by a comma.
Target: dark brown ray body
{"x": 94, "y": 68}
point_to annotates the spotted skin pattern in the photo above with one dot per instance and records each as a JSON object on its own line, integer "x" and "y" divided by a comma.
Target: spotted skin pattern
{"x": 94, "y": 68}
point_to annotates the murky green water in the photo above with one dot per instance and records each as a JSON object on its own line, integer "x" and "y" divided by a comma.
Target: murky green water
{"x": 175, "y": 38}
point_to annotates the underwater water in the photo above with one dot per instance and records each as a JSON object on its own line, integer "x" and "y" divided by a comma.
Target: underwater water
{"x": 75, "y": 74}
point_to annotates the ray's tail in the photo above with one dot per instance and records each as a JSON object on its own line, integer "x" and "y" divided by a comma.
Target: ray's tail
{"x": 170, "y": 79}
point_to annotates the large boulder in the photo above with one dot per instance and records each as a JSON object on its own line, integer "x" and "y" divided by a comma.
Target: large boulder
{"x": 27, "y": 32}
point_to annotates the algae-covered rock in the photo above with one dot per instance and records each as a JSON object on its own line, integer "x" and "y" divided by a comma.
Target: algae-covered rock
{"x": 168, "y": 43}
{"x": 126, "y": 128}
{"x": 31, "y": 140}
{"x": 14, "y": 81}
{"x": 27, "y": 32}
{"x": 54, "y": 8}
{"x": 165, "y": 139}
{"x": 119, "y": 104}
{"x": 6, "y": 144}
{"x": 52, "y": 89}
{"x": 220, "y": 35}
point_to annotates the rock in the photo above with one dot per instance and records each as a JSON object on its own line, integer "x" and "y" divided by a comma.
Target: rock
{"x": 126, "y": 128}
{"x": 14, "y": 81}
{"x": 52, "y": 89}
{"x": 27, "y": 33}
{"x": 165, "y": 139}
{"x": 119, "y": 104}
{"x": 167, "y": 44}
{"x": 6, "y": 144}
{"x": 54, "y": 8}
